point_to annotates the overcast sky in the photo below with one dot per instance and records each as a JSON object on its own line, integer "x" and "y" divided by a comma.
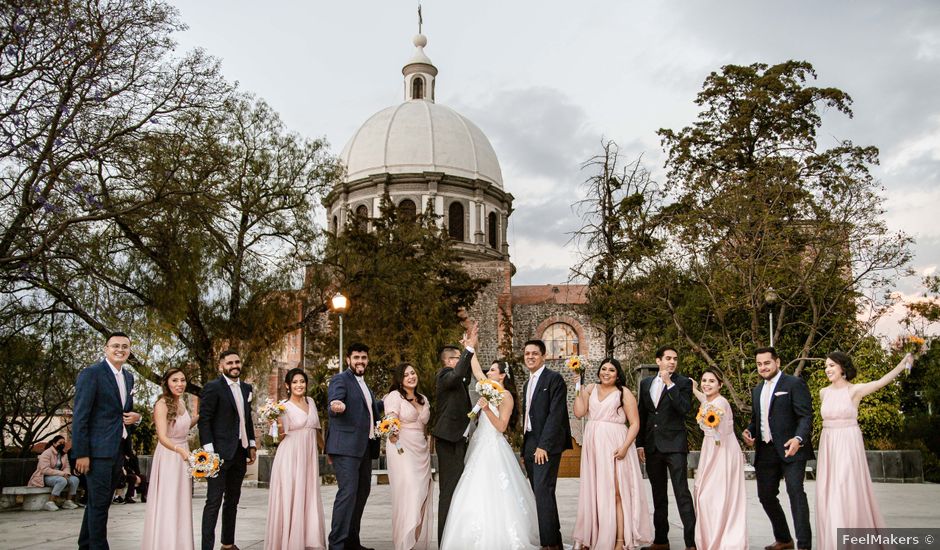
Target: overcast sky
{"x": 546, "y": 80}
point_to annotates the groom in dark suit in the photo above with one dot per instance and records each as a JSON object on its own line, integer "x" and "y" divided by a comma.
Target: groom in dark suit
{"x": 782, "y": 427}
{"x": 546, "y": 435}
{"x": 101, "y": 416}
{"x": 225, "y": 427}
{"x": 664, "y": 403}
{"x": 453, "y": 406}
{"x": 351, "y": 445}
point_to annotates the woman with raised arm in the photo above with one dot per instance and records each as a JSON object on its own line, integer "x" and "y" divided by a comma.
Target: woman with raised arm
{"x": 493, "y": 504}
{"x": 409, "y": 471}
{"x": 295, "y": 510}
{"x": 612, "y": 507}
{"x": 168, "y": 524}
{"x": 843, "y": 483}
{"x": 720, "y": 502}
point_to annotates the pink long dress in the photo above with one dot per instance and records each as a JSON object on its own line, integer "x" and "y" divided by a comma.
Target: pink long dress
{"x": 409, "y": 475}
{"x": 843, "y": 484}
{"x": 602, "y": 474}
{"x": 168, "y": 524}
{"x": 720, "y": 503}
{"x": 295, "y": 511}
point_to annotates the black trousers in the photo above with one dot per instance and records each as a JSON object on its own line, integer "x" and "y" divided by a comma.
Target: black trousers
{"x": 223, "y": 492}
{"x": 102, "y": 479}
{"x": 659, "y": 468}
{"x": 770, "y": 469}
{"x": 543, "y": 478}
{"x": 450, "y": 457}
{"x": 353, "y": 485}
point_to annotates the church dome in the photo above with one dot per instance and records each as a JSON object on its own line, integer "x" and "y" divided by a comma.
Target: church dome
{"x": 417, "y": 136}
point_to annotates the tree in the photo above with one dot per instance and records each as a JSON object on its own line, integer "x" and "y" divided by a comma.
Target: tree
{"x": 405, "y": 283}
{"x": 618, "y": 235}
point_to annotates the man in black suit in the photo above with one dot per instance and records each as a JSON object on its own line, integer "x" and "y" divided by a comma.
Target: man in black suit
{"x": 782, "y": 427}
{"x": 546, "y": 435}
{"x": 102, "y": 418}
{"x": 225, "y": 427}
{"x": 453, "y": 406}
{"x": 664, "y": 402}
{"x": 351, "y": 445}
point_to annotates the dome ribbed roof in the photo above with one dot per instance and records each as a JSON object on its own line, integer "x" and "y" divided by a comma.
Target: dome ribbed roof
{"x": 420, "y": 136}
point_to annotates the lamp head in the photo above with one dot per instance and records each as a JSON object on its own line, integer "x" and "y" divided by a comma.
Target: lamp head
{"x": 339, "y": 303}
{"x": 771, "y": 296}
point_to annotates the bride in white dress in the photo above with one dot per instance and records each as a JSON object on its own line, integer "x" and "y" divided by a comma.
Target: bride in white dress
{"x": 493, "y": 506}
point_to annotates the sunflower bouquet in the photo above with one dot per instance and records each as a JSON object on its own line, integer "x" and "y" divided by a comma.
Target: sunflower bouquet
{"x": 388, "y": 426}
{"x": 490, "y": 390}
{"x": 203, "y": 464}
{"x": 271, "y": 411}
{"x": 910, "y": 343}
{"x": 577, "y": 364}
{"x": 709, "y": 418}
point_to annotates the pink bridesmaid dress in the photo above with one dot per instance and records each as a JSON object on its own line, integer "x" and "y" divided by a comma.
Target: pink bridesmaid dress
{"x": 843, "y": 483}
{"x": 602, "y": 474}
{"x": 720, "y": 503}
{"x": 295, "y": 511}
{"x": 168, "y": 524}
{"x": 409, "y": 475}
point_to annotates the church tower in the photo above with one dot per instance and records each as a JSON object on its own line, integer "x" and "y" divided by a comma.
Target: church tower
{"x": 426, "y": 155}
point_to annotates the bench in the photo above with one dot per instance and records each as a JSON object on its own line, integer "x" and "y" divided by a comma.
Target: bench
{"x": 33, "y": 497}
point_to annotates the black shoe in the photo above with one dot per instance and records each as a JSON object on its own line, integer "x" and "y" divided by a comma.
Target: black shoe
{"x": 130, "y": 500}
{"x": 118, "y": 500}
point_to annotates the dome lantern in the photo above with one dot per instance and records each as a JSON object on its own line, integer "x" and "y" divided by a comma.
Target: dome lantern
{"x": 419, "y": 73}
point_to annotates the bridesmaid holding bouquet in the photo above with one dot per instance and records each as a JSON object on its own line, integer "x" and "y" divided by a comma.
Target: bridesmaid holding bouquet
{"x": 720, "y": 503}
{"x": 168, "y": 524}
{"x": 612, "y": 507}
{"x": 409, "y": 462}
{"x": 295, "y": 511}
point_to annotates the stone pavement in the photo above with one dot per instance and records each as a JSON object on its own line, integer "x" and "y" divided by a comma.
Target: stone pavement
{"x": 903, "y": 505}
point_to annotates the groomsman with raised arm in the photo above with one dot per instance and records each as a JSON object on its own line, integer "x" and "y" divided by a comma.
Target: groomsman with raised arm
{"x": 226, "y": 428}
{"x": 351, "y": 444}
{"x": 103, "y": 411}
{"x": 782, "y": 427}
{"x": 450, "y": 429}
{"x": 664, "y": 403}
{"x": 546, "y": 434}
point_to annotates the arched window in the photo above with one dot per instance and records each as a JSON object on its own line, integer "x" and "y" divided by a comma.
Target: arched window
{"x": 455, "y": 221}
{"x": 362, "y": 216}
{"x": 492, "y": 230}
{"x": 408, "y": 209}
{"x": 561, "y": 341}
{"x": 335, "y": 225}
{"x": 417, "y": 88}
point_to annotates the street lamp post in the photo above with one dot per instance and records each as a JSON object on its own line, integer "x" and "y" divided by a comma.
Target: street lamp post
{"x": 771, "y": 297}
{"x": 340, "y": 304}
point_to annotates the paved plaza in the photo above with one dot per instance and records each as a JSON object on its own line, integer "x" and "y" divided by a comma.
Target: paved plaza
{"x": 903, "y": 505}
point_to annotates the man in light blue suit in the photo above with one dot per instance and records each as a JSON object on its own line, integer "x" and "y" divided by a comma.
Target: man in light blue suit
{"x": 102, "y": 414}
{"x": 351, "y": 446}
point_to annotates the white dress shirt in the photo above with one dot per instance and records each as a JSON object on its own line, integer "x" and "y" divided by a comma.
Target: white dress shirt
{"x": 122, "y": 389}
{"x": 530, "y": 391}
{"x": 236, "y": 390}
{"x": 765, "y": 395}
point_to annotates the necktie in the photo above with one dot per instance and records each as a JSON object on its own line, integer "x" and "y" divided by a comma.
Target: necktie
{"x": 656, "y": 390}
{"x": 368, "y": 397}
{"x": 240, "y": 407}
{"x": 528, "y": 402}
{"x": 122, "y": 390}
{"x": 765, "y": 411}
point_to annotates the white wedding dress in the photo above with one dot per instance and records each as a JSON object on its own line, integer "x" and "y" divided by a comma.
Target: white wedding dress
{"x": 493, "y": 506}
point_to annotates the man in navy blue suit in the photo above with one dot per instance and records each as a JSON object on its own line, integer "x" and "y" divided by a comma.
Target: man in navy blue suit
{"x": 351, "y": 445}
{"x": 226, "y": 428}
{"x": 782, "y": 427}
{"x": 546, "y": 435}
{"x": 101, "y": 416}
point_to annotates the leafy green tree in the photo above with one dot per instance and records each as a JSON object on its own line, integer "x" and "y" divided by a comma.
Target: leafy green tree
{"x": 405, "y": 282}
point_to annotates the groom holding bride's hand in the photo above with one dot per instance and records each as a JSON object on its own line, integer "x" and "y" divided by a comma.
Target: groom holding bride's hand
{"x": 453, "y": 405}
